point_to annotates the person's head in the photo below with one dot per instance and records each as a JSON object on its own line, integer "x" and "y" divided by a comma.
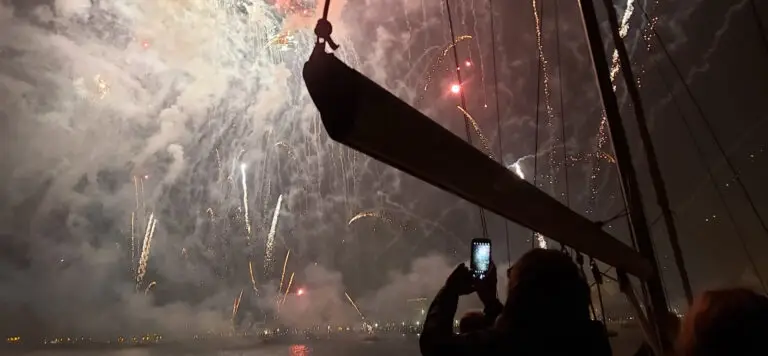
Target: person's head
{"x": 725, "y": 322}
{"x": 472, "y": 321}
{"x": 546, "y": 284}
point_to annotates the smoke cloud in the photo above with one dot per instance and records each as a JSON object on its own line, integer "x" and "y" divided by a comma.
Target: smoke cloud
{"x": 115, "y": 111}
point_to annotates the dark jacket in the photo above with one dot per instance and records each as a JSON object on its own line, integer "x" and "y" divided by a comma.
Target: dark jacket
{"x": 438, "y": 339}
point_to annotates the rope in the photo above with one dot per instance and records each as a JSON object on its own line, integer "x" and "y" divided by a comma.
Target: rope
{"x": 538, "y": 100}
{"x": 710, "y": 174}
{"x": 562, "y": 111}
{"x": 598, "y": 277}
{"x": 711, "y": 130}
{"x": 580, "y": 262}
{"x": 483, "y": 222}
{"x": 498, "y": 119}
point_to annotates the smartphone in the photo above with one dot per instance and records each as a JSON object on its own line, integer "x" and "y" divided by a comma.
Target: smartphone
{"x": 480, "y": 262}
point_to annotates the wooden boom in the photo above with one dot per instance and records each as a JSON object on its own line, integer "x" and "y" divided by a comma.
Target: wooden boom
{"x": 366, "y": 117}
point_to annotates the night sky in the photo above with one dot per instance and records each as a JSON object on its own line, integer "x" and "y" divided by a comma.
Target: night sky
{"x": 112, "y": 111}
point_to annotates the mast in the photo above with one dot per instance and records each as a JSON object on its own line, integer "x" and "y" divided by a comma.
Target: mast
{"x": 650, "y": 153}
{"x": 659, "y": 312}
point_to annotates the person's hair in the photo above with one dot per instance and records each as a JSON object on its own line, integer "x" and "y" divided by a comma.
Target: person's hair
{"x": 543, "y": 284}
{"x": 725, "y": 322}
{"x": 548, "y": 299}
{"x": 472, "y": 320}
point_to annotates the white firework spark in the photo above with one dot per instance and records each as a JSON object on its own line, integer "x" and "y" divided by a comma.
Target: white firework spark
{"x": 245, "y": 200}
{"x": 145, "y": 249}
{"x": 270, "y": 248}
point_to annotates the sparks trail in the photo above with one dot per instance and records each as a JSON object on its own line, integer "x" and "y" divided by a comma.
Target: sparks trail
{"x": 285, "y": 295}
{"x": 245, "y": 201}
{"x": 483, "y": 140}
{"x": 479, "y": 53}
{"x": 253, "y": 280}
{"x": 437, "y": 65}
{"x": 151, "y": 284}
{"x": 236, "y": 307}
{"x": 410, "y": 30}
{"x": 288, "y": 149}
{"x": 133, "y": 239}
{"x": 602, "y": 138}
{"x": 145, "y": 250}
{"x": 383, "y": 215}
{"x": 270, "y": 244}
{"x": 354, "y": 305}
{"x": 369, "y": 214}
{"x": 547, "y": 96}
{"x": 282, "y": 275}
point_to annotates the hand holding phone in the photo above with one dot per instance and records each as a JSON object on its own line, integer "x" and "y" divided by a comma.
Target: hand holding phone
{"x": 480, "y": 261}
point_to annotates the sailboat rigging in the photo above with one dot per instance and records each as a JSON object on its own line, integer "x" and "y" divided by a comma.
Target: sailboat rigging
{"x": 362, "y": 115}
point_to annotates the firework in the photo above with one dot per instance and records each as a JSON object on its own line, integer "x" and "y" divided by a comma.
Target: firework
{"x": 147, "y": 245}
{"x": 250, "y": 271}
{"x": 515, "y": 167}
{"x": 136, "y": 191}
{"x": 541, "y": 240}
{"x": 133, "y": 238}
{"x": 547, "y": 93}
{"x": 408, "y": 25}
{"x": 287, "y": 289}
{"x": 282, "y": 275}
{"x": 287, "y": 149}
{"x": 416, "y": 300}
{"x": 151, "y": 284}
{"x": 245, "y": 201}
{"x": 479, "y": 53}
{"x": 602, "y": 134}
{"x": 483, "y": 140}
{"x": 354, "y": 305}
{"x": 270, "y": 245}
{"x": 363, "y": 215}
{"x": 236, "y": 306}
{"x": 101, "y": 86}
{"x": 437, "y": 65}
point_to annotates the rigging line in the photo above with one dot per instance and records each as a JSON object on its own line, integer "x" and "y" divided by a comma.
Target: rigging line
{"x": 562, "y": 109}
{"x": 759, "y": 23}
{"x": 710, "y": 174}
{"x": 499, "y": 131}
{"x": 483, "y": 222}
{"x": 538, "y": 102}
{"x": 711, "y": 130}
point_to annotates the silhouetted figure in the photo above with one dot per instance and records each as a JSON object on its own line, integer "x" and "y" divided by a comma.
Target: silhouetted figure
{"x": 546, "y": 313}
{"x": 473, "y": 320}
{"x": 729, "y": 322}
